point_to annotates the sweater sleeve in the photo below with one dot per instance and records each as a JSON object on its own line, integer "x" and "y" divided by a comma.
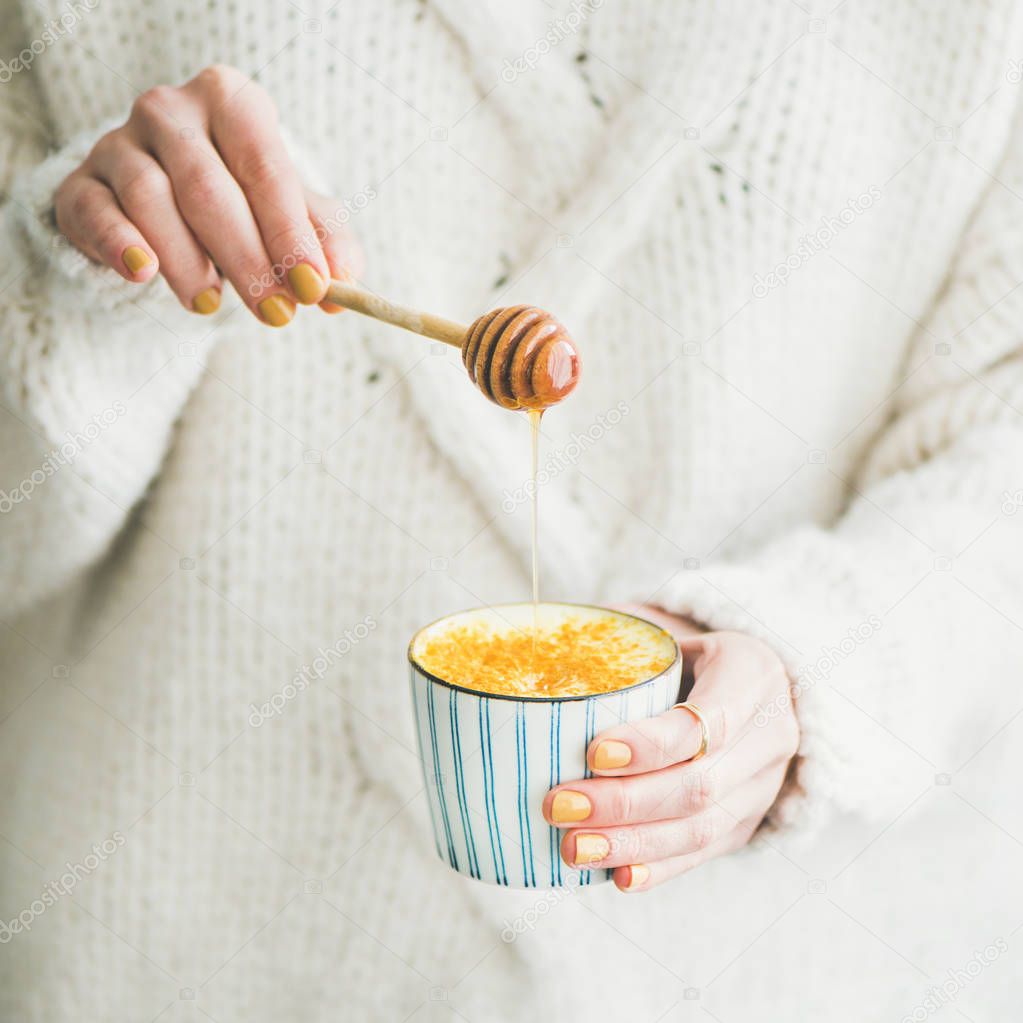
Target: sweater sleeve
{"x": 95, "y": 370}
{"x": 902, "y": 624}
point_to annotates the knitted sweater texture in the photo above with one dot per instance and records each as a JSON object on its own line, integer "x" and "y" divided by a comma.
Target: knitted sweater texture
{"x": 787, "y": 239}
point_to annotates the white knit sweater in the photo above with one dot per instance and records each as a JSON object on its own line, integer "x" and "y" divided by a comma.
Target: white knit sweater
{"x": 789, "y": 244}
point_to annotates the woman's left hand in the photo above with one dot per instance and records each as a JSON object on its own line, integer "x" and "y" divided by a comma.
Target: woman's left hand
{"x": 652, "y": 811}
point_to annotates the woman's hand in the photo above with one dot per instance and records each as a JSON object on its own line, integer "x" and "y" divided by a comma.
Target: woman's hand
{"x": 652, "y": 811}
{"x": 197, "y": 184}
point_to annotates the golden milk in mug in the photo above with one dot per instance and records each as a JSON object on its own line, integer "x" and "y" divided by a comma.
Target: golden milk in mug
{"x": 506, "y": 701}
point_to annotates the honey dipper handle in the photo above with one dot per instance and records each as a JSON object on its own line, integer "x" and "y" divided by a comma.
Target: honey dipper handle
{"x": 351, "y": 296}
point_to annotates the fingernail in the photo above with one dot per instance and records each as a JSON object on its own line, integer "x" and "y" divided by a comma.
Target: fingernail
{"x": 306, "y": 283}
{"x": 570, "y": 806}
{"x": 207, "y": 301}
{"x": 277, "y": 310}
{"x": 590, "y": 848}
{"x": 610, "y": 754}
{"x": 639, "y": 874}
{"x": 135, "y": 258}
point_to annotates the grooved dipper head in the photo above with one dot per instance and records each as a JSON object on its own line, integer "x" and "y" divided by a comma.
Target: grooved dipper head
{"x": 521, "y": 358}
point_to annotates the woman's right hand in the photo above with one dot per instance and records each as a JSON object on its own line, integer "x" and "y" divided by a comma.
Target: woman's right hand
{"x": 197, "y": 185}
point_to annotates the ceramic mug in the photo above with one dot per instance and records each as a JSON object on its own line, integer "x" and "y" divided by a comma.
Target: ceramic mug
{"x": 488, "y": 760}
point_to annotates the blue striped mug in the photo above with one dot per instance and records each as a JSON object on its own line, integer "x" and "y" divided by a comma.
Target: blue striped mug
{"x": 488, "y": 760}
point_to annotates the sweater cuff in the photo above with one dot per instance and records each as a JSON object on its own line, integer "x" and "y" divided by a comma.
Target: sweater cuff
{"x": 97, "y": 365}
{"x": 73, "y": 281}
{"x": 805, "y": 598}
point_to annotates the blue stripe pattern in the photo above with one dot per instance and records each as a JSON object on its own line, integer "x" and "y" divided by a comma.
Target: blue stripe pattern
{"x": 555, "y": 779}
{"x": 590, "y": 731}
{"x": 487, "y": 755}
{"x": 586, "y": 876}
{"x": 422, "y": 756}
{"x": 453, "y": 859}
{"x": 508, "y": 781}
{"x": 463, "y": 803}
{"x": 525, "y": 829}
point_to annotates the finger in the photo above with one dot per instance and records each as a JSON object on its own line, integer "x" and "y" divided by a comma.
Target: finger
{"x": 637, "y": 747}
{"x": 214, "y": 207}
{"x": 244, "y": 130}
{"x": 216, "y": 210}
{"x": 727, "y": 662}
{"x": 736, "y": 676}
{"x": 344, "y": 254}
{"x": 677, "y": 791}
{"x": 144, "y": 192}
{"x": 643, "y": 843}
{"x": 641, "y": 877}
{"x": 732, "y": 672}
{"x": 330, "y": 307}
{"x": 659, "y": 840}
{"x": 89, "y": 217}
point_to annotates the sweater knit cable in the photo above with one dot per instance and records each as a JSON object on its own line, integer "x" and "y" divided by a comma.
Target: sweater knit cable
{"x": 786, "y": 238}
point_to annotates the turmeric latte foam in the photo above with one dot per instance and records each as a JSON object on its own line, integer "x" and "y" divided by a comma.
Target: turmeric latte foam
{"x": 575, "y": 651}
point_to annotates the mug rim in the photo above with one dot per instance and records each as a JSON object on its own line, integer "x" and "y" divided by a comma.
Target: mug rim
{"x": 430, "y": 676}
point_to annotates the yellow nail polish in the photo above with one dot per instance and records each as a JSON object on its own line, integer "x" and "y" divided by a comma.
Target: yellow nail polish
{"x": 611, "y": 754}
{"x": 135, "y": 258}
{"x": 277, "y": 310}
{"x": 306, "y": 283}
{"x": 590, "y": 849}
{"x": 639, "y": 874}
{"x": 207, "y": 301}
{"x": 570, "y": 806}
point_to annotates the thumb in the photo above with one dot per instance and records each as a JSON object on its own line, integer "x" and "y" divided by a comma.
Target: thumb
{"x": 340, "y": 245}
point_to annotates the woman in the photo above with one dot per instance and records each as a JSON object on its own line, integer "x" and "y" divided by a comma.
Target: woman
{"x": 787, "y": 245}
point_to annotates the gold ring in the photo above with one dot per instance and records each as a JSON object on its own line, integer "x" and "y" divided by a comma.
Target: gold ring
{"x": 704, "y": 729}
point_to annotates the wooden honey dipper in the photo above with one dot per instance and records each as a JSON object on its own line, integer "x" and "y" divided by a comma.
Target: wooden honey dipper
{"x": 520, "y": 357}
